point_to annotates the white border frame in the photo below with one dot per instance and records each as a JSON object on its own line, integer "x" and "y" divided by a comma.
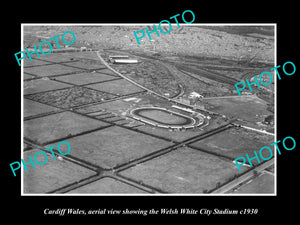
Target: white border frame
{"x": 150, "y": 24}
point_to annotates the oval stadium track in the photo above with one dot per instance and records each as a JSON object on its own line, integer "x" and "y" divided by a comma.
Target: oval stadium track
{"x": 164, "y": 118}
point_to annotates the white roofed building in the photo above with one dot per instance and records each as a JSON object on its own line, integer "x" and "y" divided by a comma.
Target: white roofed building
{"x": 122, "y": 59}
{"x": 125, "y": 61}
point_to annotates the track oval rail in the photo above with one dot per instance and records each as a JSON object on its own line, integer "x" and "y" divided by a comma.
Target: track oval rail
{"x": 161, "y": 117}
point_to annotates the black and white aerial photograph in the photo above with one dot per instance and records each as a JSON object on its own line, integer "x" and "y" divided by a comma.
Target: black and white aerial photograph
{"x": 139, "y": 109}
{"x": 131, "y": 111}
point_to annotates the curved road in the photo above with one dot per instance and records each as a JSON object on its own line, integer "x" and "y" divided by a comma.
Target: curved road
{"x": 137, "y": 84}
{"x": 131, "y": 81}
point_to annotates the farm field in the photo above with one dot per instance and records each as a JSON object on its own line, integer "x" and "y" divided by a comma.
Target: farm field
{"x": 52, "y": 175}
{"x": 100, "y": 148}
{"x": 235, "y": 142}
{"x": 173, "y": 171}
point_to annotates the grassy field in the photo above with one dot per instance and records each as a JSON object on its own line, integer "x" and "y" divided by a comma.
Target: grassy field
{"x": 239, "y": 107}
{"x": 183, "y": 171}
{"x": 32, "y": 108}
{"x": 42, "y": 85}
{"x": 112, "y": 146}
{"x": 162, "y": 116}
{"x": 52, "y": 175}
{"x": 85, "y": 78}
{"x": 50, "y": 70}
{"x": 235, "y": 142}
{"x": 57, "y": 126}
